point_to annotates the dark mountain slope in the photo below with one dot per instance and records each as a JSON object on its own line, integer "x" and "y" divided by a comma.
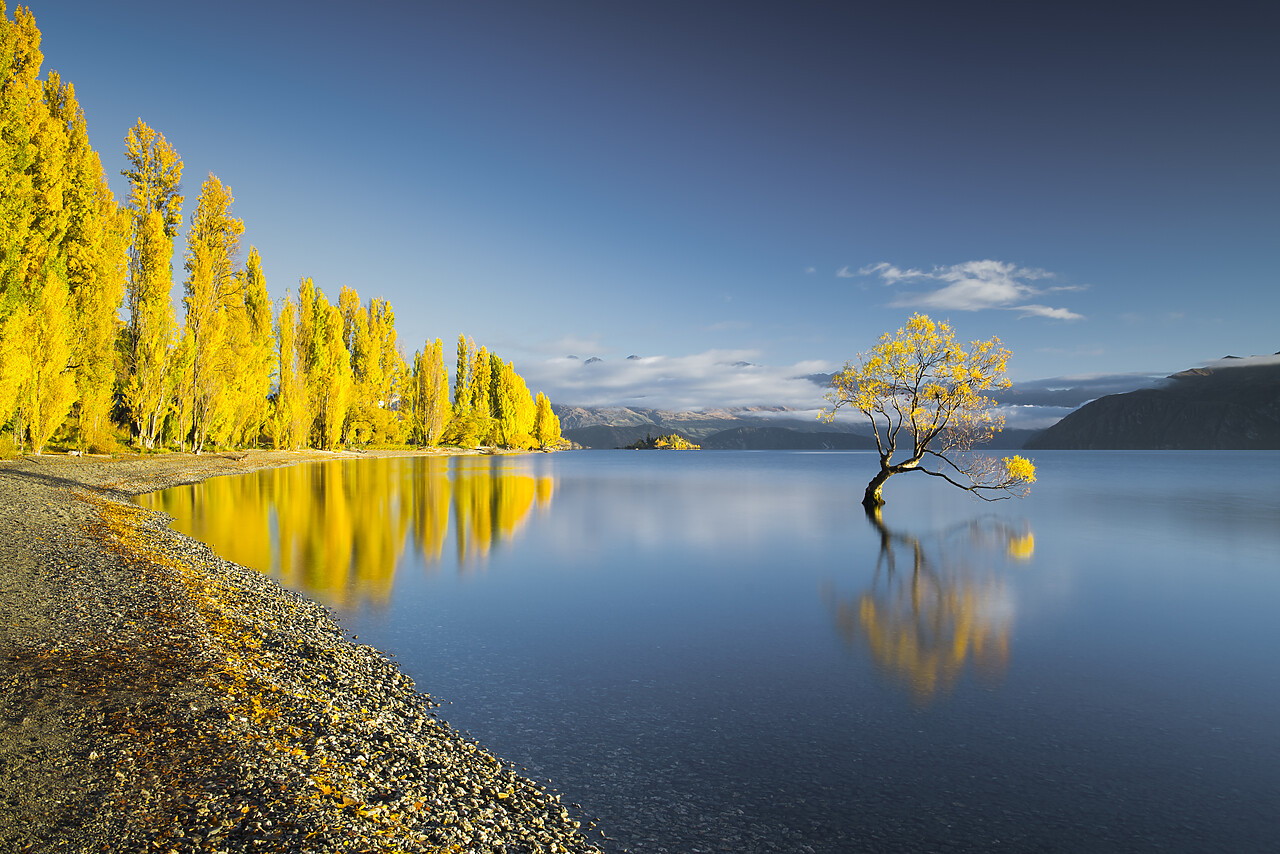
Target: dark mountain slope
{"x": 1221, "y": 408}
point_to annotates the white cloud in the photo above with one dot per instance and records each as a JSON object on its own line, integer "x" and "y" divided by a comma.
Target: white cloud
{"x": 975, "y": 286}
{"x": 718, "y": 379}
{"x": 1244, "y": 362}
{"x": 889, "y": 273}
{"x": 1032, "y": 417}
{"x": 1046, "y": 311}
{"x": 712, "y": 379}
{"x": 845, "y": 273}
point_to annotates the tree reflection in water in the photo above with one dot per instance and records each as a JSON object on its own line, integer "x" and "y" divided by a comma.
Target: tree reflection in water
{"x": 936, "y": 604}
{"x": 335, "y": 531}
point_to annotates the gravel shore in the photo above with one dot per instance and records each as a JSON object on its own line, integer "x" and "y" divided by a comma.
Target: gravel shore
{"x": 155, "y": 697}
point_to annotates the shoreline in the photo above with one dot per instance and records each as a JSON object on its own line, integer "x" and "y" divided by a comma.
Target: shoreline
{"x": 155, "y": 696}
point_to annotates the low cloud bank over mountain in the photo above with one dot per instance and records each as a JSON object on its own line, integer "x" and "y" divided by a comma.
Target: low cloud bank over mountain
{"x": 723, "y": 399}
{"x": 1230, "y": 404}
{"x": 730, "y": 380}
{"x": 713, "y": 379}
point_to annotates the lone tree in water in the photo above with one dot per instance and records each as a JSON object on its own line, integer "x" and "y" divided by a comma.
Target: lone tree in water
{"x": 924, "y": 392}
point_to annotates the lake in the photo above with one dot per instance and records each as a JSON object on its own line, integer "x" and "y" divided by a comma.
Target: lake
{"x": 719, "y": 651}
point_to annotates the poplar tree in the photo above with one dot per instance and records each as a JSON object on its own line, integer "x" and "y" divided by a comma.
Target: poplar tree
{"x": 349, "y": 306}
{"x": 21, "y": 105}
{"x": 287, "y": 431}
{"x": 22, "y": 110}
{"x": 20, "y": 60}
{"x": 179, "y": 407}
{"x": 15, "y": 363}
{"x": 213, "y": 293}
{"x": 306, "y": 351}
{"x": 51, "y": 386}
{"x": 59, "y": 247}
{"x": 480, "y": 379}
{"x": 511, "y": 406}
{"x": 462, "y": 377}
{"x": 546, "y": 424}
{"x": 499, "y": 409}
{"x": 70, "y": 257}
{"x": 331, "y": 375}
{"x": 502, "y": 404}
{"x": 525, "y": 410}
{"x": 255, "y": 352}
{"x": 92, "y": 253}
{"x": 365, "y": 368}
{"x": 378, "y": 369}
{"x": 156, "y": 208}
{"x": 148, "y": 340}
{"x": 392, "y": 371}
{"x": 436, "y": 400}
{"x": 429, "y": 394}
{"x": 33, "y": 220}
{"x": 412, "y": 397}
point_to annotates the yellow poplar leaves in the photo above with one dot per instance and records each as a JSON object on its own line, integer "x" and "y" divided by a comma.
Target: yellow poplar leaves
{"x": 70, "y": 255}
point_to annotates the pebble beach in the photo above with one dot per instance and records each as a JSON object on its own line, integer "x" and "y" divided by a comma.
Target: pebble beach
{"x": 155, "y": 697}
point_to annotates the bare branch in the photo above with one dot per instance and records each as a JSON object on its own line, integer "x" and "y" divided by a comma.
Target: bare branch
{"x": 975, "y": 489}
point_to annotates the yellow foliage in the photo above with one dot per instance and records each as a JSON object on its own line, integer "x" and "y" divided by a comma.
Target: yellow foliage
{"x": 1022, "y": 546}
{"x": 671, "y": 442}
{"x": 921, "y": 376}
{"x": 337, "y": 530}
{"x": 925, "y": 393}
{"x": 935, "y": 610}
{"x": 51, "y": 387}
{"x": 428, "y": 394}
{"x": 1020, "y": 468}
{"x": 214, "y": 301}
{"x": 341, "y": 373}
{"x": 546, "y": 424}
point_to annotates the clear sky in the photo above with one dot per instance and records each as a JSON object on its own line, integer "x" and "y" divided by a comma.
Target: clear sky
{"x": 708, "y": 183}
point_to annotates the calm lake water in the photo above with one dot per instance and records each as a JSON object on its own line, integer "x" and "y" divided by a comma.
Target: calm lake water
{"x": 718, "y": 651}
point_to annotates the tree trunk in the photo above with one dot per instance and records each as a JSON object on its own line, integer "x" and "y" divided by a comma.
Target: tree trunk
{"x": 871, "y": 498}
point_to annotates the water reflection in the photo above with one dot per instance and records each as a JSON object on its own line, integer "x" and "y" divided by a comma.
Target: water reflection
{"x": 936, "y": 604}
{"x": 335, "y": 531}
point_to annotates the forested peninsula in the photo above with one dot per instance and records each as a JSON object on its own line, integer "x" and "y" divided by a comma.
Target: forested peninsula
{"x": 92, "y": 355}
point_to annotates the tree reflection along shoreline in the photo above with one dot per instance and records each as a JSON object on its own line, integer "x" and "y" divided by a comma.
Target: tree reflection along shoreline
{"x": 936, "y": 606}
{"x": 336, "y": 531}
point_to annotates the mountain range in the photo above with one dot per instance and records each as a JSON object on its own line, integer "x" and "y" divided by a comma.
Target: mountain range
{"x": 758, "y": 428}
{"x": 617, "y": 427}
{"x": 1231, "y": 404}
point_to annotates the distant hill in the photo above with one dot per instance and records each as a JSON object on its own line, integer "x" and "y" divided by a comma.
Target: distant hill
{"x": 602, "y": 436}
{"x": 617, "y": 427}
{"x": 1216, "y": 408}
{"x": 754, "y": 429}
{"x": 784, "y": 439}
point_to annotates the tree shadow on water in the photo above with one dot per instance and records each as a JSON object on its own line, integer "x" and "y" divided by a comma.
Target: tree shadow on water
{"x": 936, "y": 605}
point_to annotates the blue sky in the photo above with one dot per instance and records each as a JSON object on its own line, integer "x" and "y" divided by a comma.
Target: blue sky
{"x": 708, "y": 184}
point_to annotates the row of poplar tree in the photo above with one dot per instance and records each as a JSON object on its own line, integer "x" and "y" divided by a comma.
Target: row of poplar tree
{"x": 234, "y": 374}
